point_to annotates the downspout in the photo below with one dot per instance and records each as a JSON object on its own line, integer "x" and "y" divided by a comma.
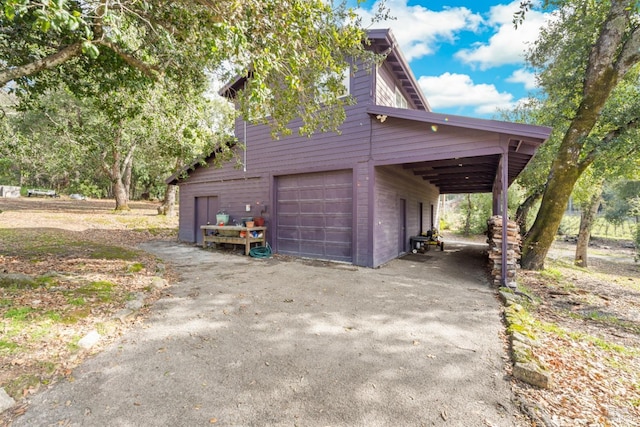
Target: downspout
{"x": 244, "y": 137}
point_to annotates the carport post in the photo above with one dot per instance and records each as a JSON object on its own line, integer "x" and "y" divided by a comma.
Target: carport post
{"x": 504, "y": 163}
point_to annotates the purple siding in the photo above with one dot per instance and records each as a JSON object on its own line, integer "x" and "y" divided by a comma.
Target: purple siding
{"x": 386, "y": 88}
{"x": 314, "y": 215}
{"x": 400, "y": 141}
{"x": 359, "y": 220}
{"x": 394, "y": 184}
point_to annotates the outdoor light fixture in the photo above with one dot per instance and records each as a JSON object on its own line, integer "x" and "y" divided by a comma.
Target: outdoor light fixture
{"x": 381, "y": 117}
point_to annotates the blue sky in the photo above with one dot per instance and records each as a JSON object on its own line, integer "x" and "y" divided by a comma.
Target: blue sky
{"x": 466, "y": 55}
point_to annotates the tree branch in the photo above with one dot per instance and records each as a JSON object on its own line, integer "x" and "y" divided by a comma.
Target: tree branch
{"x": 148, "y": 70}
{"x": 611, "y": 135}
{"x": 630, "y": 54}
{"x": 47, "y": 62}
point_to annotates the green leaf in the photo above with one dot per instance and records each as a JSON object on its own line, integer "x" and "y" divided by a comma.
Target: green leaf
{"x": 9, "y": 11}
{"x": 90, "y": 50}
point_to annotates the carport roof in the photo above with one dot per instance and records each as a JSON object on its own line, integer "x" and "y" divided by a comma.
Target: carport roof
{"x": 471, "y": 170}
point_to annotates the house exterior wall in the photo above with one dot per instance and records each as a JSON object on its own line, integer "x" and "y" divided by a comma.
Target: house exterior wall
{"x": 233, "y": 195}
{"x": 363, "y": 146}
{"x": 393, "y": 184}
{"x": 265, "y": 159}
{"x": 386, "y": 88}
{"x": 404, "y": 141}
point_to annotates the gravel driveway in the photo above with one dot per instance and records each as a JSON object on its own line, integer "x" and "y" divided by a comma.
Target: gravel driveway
{"x": 282, "y": 342}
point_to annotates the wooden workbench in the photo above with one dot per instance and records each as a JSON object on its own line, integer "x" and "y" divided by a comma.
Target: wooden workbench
{"x": 212, "y": 234}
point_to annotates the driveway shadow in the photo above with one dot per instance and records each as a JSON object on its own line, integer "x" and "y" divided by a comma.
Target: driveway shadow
{"x": 246, "y": 342}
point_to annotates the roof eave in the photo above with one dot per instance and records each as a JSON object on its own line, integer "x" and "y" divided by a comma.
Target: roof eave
{"x": 389, "y": 38}
{"x": 535, "y": 132}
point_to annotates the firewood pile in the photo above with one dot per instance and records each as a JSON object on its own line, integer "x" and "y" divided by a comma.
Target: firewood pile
{"x": 494, "y": 238}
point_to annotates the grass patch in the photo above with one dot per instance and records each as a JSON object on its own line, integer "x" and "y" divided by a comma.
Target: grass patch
{"x": 606, "y": 319}
{"x": 54, "y": 316}
{"x": 16, "y": 283}
{"x": 16, "y": 387}
{"x": 551, "y": 274}
{"x": 36, "y": 243}
{"x": 114, "y": 253}
{"x": 46, "y": 281}
{"x": 18, "y": 313}
{"x": 8, "y": 347}
{"x": 577, "y": 336}
{"x": 75, "y": 316}
{"x": 101, "y": 290}
{"x": 136, "y": 267}
{"x": 77, "y": 301}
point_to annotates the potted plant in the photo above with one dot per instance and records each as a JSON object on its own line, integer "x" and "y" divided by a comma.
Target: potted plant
{"x": 222, "y": 218}
{"x": 259, "y": 220}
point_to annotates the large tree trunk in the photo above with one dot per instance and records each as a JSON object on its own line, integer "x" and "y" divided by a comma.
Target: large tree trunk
{"x": 611, "y": 57}
{"x": 589, "y": 211}
{"x": 523, "y": 210}
{"x": 168, "y": 206}
{"x": 565, "y": 173}
{"x": 119, "y": 172}
{"x": 120, "y": 194}
{"x": 128, "y": 171}
{"x": 467, "y": 222}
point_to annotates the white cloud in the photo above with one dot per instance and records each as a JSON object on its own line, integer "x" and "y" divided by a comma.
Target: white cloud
{"x": 527, "y": 78}
{"x": 508, "y": 44}
{"x": 458, "y": 90}
{"x": 419, "y": 30}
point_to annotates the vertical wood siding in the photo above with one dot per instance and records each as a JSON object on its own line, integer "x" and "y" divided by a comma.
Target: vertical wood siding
{"x": 362, "y": 239}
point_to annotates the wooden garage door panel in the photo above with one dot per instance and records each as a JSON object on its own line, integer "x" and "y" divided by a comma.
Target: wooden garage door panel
{"x": 314, "y": 215}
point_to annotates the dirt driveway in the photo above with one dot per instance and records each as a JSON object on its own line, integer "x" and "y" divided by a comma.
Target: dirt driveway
{"x": 280, "y": 342}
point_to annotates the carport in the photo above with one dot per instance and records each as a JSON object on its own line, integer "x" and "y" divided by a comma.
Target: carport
{"x": 458, "y": 155}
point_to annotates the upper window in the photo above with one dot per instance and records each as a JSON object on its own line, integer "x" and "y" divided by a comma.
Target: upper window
{"x": 346, "y": 81}
{"x": 343, "y": 80}
{"x": 401, "y": 101}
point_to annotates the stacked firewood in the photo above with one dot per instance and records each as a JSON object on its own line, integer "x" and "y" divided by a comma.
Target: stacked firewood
{"x": 494, "y": 238}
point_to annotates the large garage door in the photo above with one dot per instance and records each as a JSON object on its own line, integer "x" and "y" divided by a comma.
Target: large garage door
{"x": 314, "y": 215}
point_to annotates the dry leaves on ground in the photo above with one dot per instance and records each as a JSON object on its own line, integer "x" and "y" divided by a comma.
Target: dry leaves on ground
{"x": 69, "y": 267}
{"x": 588, "y": 326}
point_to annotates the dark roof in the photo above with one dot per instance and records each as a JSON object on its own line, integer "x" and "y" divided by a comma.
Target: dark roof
{"x": 176, "y": 177}
{"x": 470, "y": 170}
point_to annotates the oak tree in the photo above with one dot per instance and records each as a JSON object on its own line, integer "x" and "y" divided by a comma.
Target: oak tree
{"x": 584, "y": 53}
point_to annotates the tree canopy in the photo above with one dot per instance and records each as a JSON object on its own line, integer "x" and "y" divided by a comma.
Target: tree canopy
{"x": 588, "y": 60}
{"x": 286, "y": 47}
